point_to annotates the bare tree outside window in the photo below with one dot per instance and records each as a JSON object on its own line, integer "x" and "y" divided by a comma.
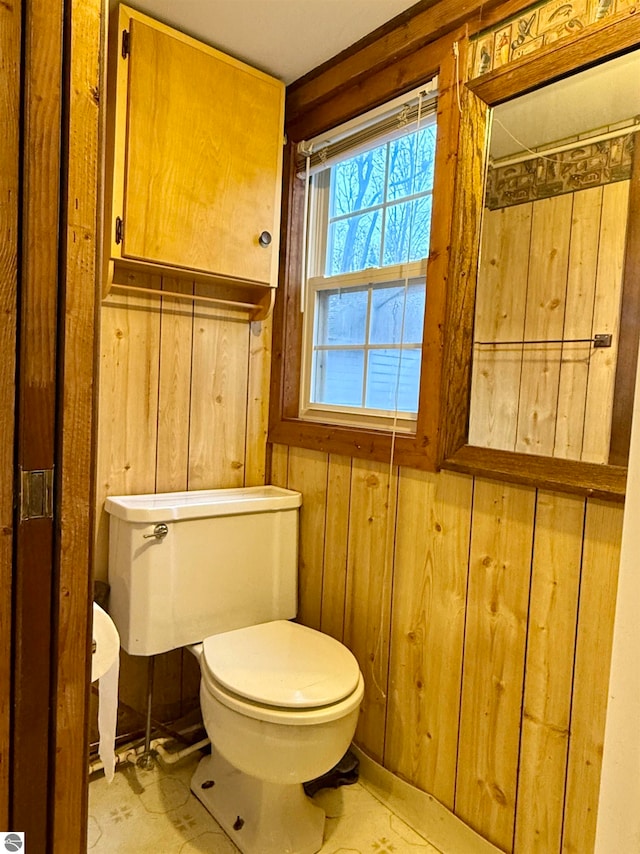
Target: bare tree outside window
{"x": 380, "y": 208}
{"x": 368, "y": 337}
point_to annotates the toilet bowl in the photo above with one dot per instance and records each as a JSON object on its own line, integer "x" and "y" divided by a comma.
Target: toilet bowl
{"x": 279, "y": 701}
{"x": 216, "y": 571}
{"x": 280, "y": 704}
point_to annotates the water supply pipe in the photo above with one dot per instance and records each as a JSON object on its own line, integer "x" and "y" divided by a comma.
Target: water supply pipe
{"x": 132, "y": 754}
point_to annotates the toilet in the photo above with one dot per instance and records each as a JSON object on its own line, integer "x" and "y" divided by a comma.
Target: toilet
{"x": 216, "y": 571}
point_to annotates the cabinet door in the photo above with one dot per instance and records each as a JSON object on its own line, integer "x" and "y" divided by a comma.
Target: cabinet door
{"x": 203, "y": 158}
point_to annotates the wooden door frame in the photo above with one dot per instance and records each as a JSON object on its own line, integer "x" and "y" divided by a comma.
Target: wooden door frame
{"x": 73, "y": 589}
{"x": 48, "y": 213}
{"x": 10, "y": 35}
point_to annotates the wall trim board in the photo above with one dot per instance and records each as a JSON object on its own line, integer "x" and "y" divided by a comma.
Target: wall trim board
{"x": 426, "y": 815}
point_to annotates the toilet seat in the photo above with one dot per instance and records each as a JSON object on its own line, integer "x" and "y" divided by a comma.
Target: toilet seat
{"x": 282, "y": 672}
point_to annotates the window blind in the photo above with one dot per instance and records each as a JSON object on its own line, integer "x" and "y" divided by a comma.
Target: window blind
{"x": 364, "y": 132}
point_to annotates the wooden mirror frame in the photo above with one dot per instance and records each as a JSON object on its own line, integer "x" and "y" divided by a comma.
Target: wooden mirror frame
{"x": 592, "y": 46}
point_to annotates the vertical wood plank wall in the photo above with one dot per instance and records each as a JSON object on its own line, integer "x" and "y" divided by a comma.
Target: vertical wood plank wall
{"x": 183, "y": 395}
{"x": 481, "y": 614}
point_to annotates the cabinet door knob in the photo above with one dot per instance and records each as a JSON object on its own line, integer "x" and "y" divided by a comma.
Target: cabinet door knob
{"x": 265, "y": 239}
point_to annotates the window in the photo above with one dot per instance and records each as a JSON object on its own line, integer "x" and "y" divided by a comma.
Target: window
{"x": 369, "y": 221}
{"x": 369, "y": 382}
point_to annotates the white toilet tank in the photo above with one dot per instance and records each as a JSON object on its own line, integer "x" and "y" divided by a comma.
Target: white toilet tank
{"x": 187, "y": 565}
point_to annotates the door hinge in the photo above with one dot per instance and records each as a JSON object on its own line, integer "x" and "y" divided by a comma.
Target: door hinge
{"x": 119, "y": 230}
{"x": 36, "y": 494}
{"x": 126, "y": 44}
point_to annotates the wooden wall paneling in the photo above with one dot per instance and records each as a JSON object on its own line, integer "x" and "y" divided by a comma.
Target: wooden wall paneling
{"x": 127, "y": 438}
{"x": 171, "y": 684}
{"x": 334, "y": 578}
{"x": 10, "y": 30}
{"x": 174, "y": 389}
{"x": 260, "y": 334}
{"x": 368, "y": 597}
{"x": 606, "y": 319}
{"x": 500, "y": 315}
{"x": 167, "y": 685}
{"x": 128, "y": 407}
{"x": 557, "y": 556}
{"x": 279, "y": 465}
{"x": 575, "y": 359}
{"x": 190, "y": 676}
{"x": 494, "y": 657}
{"x": 308, "y": 475}
{"x": 218, "y": 399}
{"x": 79, "y": 237}
{"x": 427, "y": 629}
{"x": 601, "y": 556}
{"x": 546, "y": 294}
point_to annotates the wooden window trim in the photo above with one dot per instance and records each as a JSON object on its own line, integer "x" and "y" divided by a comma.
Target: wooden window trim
{"x": 397, "y": 57}
{"x": 419, "y": 450}
{"x": 590, "y": 47}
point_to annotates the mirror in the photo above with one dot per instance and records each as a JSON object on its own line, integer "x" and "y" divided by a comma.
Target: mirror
{"x": 550, "y": 277}
{"x": 543, "y": 400}
{"x": 546, "y": 307}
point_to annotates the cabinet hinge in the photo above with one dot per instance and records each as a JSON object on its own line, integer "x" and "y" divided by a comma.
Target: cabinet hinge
{"x": 36, "y": 494}
{"x": 119, "y": 230}
{"x": 126, "y": 44}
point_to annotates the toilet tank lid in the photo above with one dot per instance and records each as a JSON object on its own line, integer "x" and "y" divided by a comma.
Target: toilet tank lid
{"x": 197, "y": 504}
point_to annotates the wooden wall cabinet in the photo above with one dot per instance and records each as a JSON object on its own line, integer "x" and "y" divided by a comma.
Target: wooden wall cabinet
{"x": 194, "y": 165}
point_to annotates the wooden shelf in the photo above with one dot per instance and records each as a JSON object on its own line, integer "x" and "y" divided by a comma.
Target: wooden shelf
{"x": 252, "y": 299}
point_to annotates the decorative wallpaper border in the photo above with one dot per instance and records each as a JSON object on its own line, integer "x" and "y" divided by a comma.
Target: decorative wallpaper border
{"x": 537, "y": 27}
{"x": 586, "y": 165}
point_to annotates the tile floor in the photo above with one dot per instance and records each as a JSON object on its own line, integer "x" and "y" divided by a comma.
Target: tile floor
{"x": 154, "y": 811}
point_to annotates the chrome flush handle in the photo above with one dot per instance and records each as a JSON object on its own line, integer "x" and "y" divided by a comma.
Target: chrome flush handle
{"x": 159, "y": 532}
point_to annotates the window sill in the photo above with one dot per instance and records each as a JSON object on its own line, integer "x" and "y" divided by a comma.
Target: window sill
{"x": 415, "y": 451}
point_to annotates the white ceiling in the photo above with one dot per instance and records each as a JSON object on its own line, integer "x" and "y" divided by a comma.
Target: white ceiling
{"x": 285, "y": 38}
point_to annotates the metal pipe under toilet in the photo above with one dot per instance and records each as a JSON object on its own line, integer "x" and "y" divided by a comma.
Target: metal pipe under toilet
{"x": 148, "y": 757}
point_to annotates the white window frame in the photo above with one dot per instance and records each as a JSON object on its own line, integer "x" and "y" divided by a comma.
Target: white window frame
{"x": 351, "y": 416}
{"x": 315, "y": 282}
